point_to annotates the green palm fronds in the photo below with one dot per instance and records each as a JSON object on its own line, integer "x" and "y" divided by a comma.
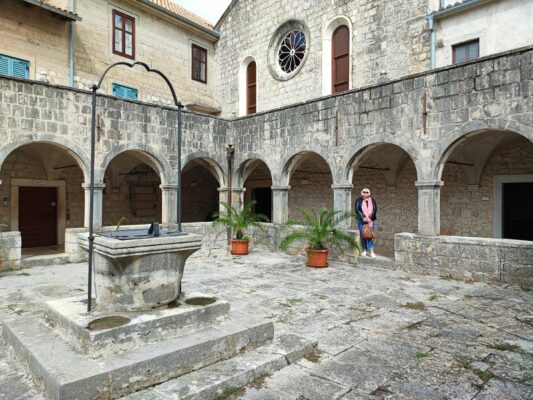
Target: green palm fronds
{"x": 239, "y": 221}
{"x": 320, "y": 230}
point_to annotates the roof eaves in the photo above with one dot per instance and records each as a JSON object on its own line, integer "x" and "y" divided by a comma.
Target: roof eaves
{"x": 457, "y": 7}
{"x": 214, "y": 34}
{"x": 55, "y": 10}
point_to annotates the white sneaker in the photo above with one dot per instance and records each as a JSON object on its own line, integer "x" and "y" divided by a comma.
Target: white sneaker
{"x": 363, "y": 253}
{"x": 372, "y": 254}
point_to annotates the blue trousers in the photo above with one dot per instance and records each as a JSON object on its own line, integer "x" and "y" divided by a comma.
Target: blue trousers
{"x": 367, "y": 244}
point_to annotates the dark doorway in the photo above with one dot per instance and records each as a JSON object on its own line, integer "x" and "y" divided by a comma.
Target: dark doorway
{"x": 263, "y": 199}
{"x": 38, "y": 216}
{"x": 517, "y": 213}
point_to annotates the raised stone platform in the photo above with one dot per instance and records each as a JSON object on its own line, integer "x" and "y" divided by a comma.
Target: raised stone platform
{"x": 69, "y": 316}
{"x": 69, "y": 361}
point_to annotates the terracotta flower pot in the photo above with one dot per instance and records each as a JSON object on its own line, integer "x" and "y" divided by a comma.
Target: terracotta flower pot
{"x": 317, "y": 258}
{"x": 239, "y": 247}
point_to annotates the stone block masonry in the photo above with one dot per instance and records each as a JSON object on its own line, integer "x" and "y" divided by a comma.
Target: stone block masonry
{"x": 468, "y": 258}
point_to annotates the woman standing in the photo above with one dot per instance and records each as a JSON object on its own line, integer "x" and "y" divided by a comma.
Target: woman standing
{"x": 366, "y": 209}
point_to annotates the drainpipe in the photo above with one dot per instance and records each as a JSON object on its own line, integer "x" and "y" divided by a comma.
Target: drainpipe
{"x": 230, "y": 151}
{"x": 71, "y": 52}
{"x": 433, "y": 39}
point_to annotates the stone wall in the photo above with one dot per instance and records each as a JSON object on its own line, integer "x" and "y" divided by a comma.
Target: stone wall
{"x": 389, "y": 40}
{"x": 479, "y": 259}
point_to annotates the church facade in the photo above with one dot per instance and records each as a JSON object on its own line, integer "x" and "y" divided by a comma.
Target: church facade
{"x": 318, "y": 100}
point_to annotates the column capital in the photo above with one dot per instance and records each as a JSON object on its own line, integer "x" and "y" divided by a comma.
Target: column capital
{"x": 429, "y": 184}
{"x": 168, "y": 187}
{"x": 280, "y": 188}
{"x": 97, "y": 186}
{"x": 344, "y": 186}
{"x": 234, "y": 190}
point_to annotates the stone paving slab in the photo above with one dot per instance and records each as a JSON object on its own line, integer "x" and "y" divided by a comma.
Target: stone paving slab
{"x": 473, "y": 340}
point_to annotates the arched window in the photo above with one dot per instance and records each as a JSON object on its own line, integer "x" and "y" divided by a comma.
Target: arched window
{"x": 340, "y": 58}
{"x": 251, "y": 89}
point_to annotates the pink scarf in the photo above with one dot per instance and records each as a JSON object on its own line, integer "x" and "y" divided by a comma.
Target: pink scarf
{"x": 368, "y": 208}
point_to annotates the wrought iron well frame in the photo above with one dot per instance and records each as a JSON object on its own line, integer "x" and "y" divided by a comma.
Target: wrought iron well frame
{"x": 179, "y": 106}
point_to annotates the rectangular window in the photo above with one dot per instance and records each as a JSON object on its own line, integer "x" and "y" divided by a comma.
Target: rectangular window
{"x": 466, "y": 51}
{"x": 123, "y": 34}
{"x": 199, "y": 64}
{"x": 15, "y": 67}
{"x": 124, "y": 92}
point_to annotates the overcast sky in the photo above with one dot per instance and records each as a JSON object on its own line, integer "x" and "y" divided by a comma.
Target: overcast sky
{"x": 211, "y": 10}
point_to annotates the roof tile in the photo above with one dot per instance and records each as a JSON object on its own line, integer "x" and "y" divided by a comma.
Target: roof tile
{"x": 182, "y": 11}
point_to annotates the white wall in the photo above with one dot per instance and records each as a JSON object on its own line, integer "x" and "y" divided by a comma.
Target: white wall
{"x": 500, "y": 25}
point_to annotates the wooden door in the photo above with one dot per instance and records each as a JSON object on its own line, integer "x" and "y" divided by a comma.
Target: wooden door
{"x": 38, "y": 216}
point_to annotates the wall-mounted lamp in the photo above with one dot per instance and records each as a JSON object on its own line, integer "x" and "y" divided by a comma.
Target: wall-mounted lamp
{"x": 5, "y": 202}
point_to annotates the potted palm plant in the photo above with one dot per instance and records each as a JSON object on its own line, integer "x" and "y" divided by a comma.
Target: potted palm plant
{"x": 321, "y": 233}
{"x": 239, "y": 222}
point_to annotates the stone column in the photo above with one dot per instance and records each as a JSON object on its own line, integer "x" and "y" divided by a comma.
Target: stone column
{"x": 237, "y": 197}
{"x": 280, "y": 204}
{"x": 169, "y": 198}
{"x": 429, "y": 207}
{"x": 98, "y": 204}
{"x": 342, "y": 201}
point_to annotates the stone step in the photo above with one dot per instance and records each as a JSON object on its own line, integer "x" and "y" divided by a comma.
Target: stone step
{"x": 211, "y": 382}
{"x": 64, "y": 373}
{"x": 45, "y": 260}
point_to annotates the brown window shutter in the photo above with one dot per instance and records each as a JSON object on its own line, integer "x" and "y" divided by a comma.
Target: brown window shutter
{"x": 340, "y": 59}
{"x": 251, "y": 88}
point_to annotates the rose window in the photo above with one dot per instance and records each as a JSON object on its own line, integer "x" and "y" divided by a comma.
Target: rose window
{"x": 291, "y": 51}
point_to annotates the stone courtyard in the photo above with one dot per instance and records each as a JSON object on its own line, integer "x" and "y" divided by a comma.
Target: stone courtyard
{"x": 381, "y": 333}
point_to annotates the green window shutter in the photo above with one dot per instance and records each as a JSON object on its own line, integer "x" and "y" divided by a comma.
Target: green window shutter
{"x": 14, "y": 67}
{"x": 131, "y": 93}
{"x": 4, "y": 65}
{"x": 124, "y": 92}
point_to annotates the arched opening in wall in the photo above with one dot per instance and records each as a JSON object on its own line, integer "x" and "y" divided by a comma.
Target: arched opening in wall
{"x": 488, "y": 186}
{"x": 310, "y": 184}
{"x": 42, "y": 195}
{"x": 132, "y": 190}
{"x": 336, "y": 56}
{"x": 257, "y": 182}
{"x": 390, "y": 174}
{"x": 248, "y": 87}
{"x": 200, "y": 196}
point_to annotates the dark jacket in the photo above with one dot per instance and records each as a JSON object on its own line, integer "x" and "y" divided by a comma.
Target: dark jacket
{"x": 359, "y": 209}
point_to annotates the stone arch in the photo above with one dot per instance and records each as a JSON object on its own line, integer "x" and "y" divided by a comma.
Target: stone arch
{"x": 254, "y": 176}
{"x": 247, "y": 167}
{"x": 207, "y": 161}
{"x": 390, "y": 172}
{"x": 291, "y": 163}
{"x": 457, "y": 137}
{"x": 367, "y": 146}
{"x": 479, "y": 171}
{"x": 332, "y": 25}
{"x": 242, "y": 83}
{"x": 62, "y": 142}
{"x": 146, "y": 154}
{"x": 202, "y": 179}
